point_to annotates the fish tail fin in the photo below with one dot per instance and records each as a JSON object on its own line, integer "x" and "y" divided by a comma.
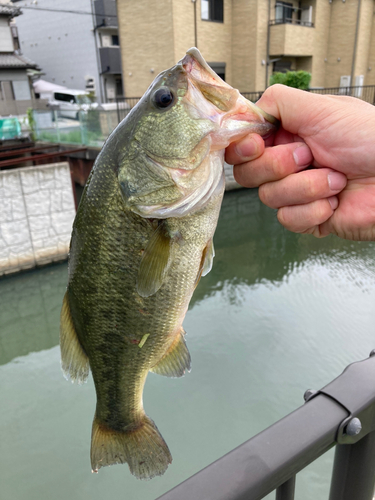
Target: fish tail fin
{"x": 142, "y": 448}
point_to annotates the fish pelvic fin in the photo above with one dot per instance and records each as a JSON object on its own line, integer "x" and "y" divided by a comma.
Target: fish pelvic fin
{"x": 176, "y": 361}
{"x": 74, "y": 360}
{"x": 141, "y": 447}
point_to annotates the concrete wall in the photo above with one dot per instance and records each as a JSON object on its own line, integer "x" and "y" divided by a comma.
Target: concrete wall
{"x": 36, "y": 215}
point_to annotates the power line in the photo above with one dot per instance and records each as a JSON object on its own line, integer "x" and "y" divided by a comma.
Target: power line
{"x": 80, "y": 12}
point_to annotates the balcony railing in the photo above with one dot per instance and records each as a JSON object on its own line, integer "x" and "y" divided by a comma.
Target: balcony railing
{"x": 341, "y": 414}
{"x": 289, "y": 20}
{"x": 110, "y": 60}
{"x": 105, "y": 14}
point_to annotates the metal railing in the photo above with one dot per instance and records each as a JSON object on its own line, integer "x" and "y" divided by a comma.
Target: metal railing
{"x": 364, "y": 92}
{"x": 124, "y": 105}
{"x": 289, "y": 20}
{"x": 341, "y": 414}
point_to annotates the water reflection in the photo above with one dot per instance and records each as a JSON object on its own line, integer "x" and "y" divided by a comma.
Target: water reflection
{"x": 251, "y": 248}
{"x": 30, "y": 309}
{"x": 279, "y": 313}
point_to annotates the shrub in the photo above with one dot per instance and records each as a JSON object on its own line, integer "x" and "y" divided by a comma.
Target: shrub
{"x": 296, "y": 79}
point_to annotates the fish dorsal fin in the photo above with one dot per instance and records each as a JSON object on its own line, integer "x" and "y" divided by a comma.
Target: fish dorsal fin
{"x": 156, "y": 261}
{"x": 176, "y": 361}
{"x": 209, "y": 258}
{"x": 74, "y": 360}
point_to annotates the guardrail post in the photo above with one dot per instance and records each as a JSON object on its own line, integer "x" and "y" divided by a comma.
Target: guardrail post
{"x": 353, "y": 475}
{"x": 286, "y": 490}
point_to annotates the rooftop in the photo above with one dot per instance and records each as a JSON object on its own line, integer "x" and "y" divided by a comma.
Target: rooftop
{"x": 15, "y": 61}
{"x": 9, "y": 10}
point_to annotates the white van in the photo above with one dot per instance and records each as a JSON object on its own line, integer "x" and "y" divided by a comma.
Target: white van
{"x": 70, "y": 102}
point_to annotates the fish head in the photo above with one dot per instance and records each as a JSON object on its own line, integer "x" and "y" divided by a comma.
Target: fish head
{"x": 172, "y": 162}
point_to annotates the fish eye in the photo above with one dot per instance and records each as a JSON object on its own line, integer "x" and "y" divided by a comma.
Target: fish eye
{"x": 163, "y": 97}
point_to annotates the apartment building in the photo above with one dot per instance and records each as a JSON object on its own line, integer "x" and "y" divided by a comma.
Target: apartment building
{"x": 75, "y": 42}
{"x": 246, "y": 40}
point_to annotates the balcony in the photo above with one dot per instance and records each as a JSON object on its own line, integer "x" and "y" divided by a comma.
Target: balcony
{"x": 105, "y": 14}
{"x": 110, "y": 60}
{"x": 291, "y": 39}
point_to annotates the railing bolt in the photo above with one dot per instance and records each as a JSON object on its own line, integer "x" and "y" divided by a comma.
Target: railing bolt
{"x": 372, "y": 353}
{"x": 309, "y": 394}
{"x": 354, "y": 427}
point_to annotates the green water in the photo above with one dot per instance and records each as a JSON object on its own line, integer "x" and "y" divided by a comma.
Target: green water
{"x": 278, "y": 314}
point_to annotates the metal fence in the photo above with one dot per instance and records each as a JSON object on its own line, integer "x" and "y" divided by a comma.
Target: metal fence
{"x": 341, "y": 414}
{"x": 124, "y": 105}
{"x": 364, "y": 92}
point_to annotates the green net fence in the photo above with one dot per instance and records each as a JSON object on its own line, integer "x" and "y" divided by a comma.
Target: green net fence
{"x": 90, "y": 128}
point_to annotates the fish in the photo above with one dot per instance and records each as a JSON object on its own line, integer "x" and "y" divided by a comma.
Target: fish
{"x": 141, "y": 240}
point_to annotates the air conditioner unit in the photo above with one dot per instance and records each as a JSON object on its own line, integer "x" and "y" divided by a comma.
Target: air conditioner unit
{"x": 90, "y": 84}
{"x": 344, "y": 84}
{"x": 359, "y": 79}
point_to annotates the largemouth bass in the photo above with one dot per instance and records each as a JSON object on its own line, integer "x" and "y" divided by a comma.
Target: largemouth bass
{"x": 141, "y": 240}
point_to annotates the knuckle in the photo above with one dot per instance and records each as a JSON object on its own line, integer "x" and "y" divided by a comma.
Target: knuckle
{"x": 311, "y": 188}
{"x": 282, "y": 217}
{"x": 264, "y": 194}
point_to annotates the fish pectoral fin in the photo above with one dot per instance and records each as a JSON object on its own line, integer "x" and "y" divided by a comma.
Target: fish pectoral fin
{"x": 176, "y": 360}
{"x": 74, "y": 360}
{"x": 209, "y": 258}
{"x": 155, "y": 263}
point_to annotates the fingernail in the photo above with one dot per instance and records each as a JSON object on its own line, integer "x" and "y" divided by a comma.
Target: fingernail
{"x": 333, "y": 201}
{"x": 248, "y": 148}
{"x": 302, "y": 156}
{"x": 336, "y": 181}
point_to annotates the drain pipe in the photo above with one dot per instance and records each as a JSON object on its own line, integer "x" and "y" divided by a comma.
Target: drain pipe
{"x": 268, "y": 42}
{"x": 355, "y": 45}
{"x": 195, "y": 23}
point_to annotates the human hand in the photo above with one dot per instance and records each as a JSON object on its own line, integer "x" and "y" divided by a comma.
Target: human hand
{"x": 333, "y": 134}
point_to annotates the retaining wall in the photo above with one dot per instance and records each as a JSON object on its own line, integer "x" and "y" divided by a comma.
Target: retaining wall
{"x": 36, "y": 216}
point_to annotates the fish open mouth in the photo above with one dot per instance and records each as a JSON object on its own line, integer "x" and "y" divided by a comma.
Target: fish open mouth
{"x": 224, "y": 97}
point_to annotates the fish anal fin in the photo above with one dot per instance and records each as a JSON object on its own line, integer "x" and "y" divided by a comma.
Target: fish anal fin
{"x": 74, "y": 360}
{"x": 156, "y": 261}
{"x": 141, "y": 447}
{"x": 176, "y": 361}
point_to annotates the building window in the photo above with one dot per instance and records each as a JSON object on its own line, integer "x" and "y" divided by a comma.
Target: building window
{"x": 284, "y": 12}
{"x": 219, "y": 69}
{"x": 115, "y": 40}
{"x": 212, "y": 10}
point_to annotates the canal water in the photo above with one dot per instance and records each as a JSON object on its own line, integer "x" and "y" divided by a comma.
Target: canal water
{"x": 278, "y": 314}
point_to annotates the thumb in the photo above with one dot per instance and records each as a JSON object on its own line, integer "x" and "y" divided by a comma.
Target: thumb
{"x": 295, "y": 108}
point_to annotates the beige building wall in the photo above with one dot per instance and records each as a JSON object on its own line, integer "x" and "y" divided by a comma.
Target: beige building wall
{"x": 364, "y": 39}
{"x": 147, "y": 45}
{"x": 321, "y": 19}
{"x": 244, "y": 41}
{"x": 341, "y": 41}
{"x": 214, "y": 38}
{"x": 155, "y": 34}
